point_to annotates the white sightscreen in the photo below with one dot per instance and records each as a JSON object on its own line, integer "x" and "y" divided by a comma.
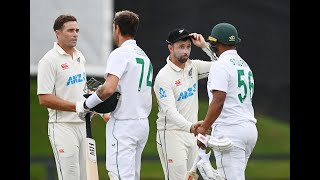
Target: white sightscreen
{"x": 95, "y": 24}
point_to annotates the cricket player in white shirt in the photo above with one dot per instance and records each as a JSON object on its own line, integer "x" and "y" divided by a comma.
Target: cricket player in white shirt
{"x": 129, "y": 71}
{"x": 176, "y": 89}
{"x": 61, "y": 79}
{"x": 230, "y": 113}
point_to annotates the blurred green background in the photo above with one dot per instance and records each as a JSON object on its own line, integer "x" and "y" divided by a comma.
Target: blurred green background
{"x": 269, "y": 160}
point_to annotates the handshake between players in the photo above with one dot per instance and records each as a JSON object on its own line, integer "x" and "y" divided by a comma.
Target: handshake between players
{"x": 103, "y": 108}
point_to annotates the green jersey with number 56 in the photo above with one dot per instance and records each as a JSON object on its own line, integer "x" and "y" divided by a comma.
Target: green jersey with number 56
{"x": 134, "y": 70}
{"x": 231, "y": 74}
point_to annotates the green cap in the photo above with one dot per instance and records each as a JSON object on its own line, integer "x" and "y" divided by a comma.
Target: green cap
{"x": 224, "y": 33}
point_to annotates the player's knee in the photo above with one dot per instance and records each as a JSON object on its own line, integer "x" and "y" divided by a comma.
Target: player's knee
{"x": 113, "y": 176}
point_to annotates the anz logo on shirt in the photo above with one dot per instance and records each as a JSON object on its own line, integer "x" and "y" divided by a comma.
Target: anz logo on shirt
{"x": 188, "y": 93}
{"x": 76, "y": 79}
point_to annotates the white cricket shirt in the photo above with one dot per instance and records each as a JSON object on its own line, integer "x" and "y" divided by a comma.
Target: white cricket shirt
{"x": 176, "y": 90}
{"x": 134, "y": 70}
{"x": 231, "y": 74}
{"x": 63, "y": 76}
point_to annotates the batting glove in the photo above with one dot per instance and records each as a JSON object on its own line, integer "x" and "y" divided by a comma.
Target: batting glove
{"x": 221, "y": 143}
{"x": 205, "y": 168}
{"x": 203, "y": 138}
{"x": 81, "y": 111}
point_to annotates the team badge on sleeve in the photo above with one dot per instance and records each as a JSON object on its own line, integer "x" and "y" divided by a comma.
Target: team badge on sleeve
{"x": 162, "y": 93}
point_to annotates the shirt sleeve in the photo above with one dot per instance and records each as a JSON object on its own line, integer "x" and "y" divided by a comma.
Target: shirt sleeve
{"x": 167, "y": 104}
{"x": 46, "y": 77}
{"x": 116, "y": 64}
{"x": 203, "y": 68}
{"x": 209, "y": 52}
{"x": 219, "y": 77}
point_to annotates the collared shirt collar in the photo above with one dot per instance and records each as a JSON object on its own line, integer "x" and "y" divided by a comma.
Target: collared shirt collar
{"x": 61, "y": 51}
{"x": 232, "y": 51}
{"x": 174, "y": 67}
{"x": 130, "y": 41}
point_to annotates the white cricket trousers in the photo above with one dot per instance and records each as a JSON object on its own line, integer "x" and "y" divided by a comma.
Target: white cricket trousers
{"x": 232, "y": 165}
{"x": 177, "y": 151}
{"x": 68, "y": 145}
{"x": 125, "y": 142}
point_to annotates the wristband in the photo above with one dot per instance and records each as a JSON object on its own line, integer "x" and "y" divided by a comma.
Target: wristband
{"x": 93, "y": 100}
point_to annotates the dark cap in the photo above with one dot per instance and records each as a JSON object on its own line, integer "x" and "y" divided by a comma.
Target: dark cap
{"x": 177, "y": 34}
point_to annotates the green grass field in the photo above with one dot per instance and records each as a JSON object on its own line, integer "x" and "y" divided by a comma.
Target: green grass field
{"x": 274, "y": 138}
